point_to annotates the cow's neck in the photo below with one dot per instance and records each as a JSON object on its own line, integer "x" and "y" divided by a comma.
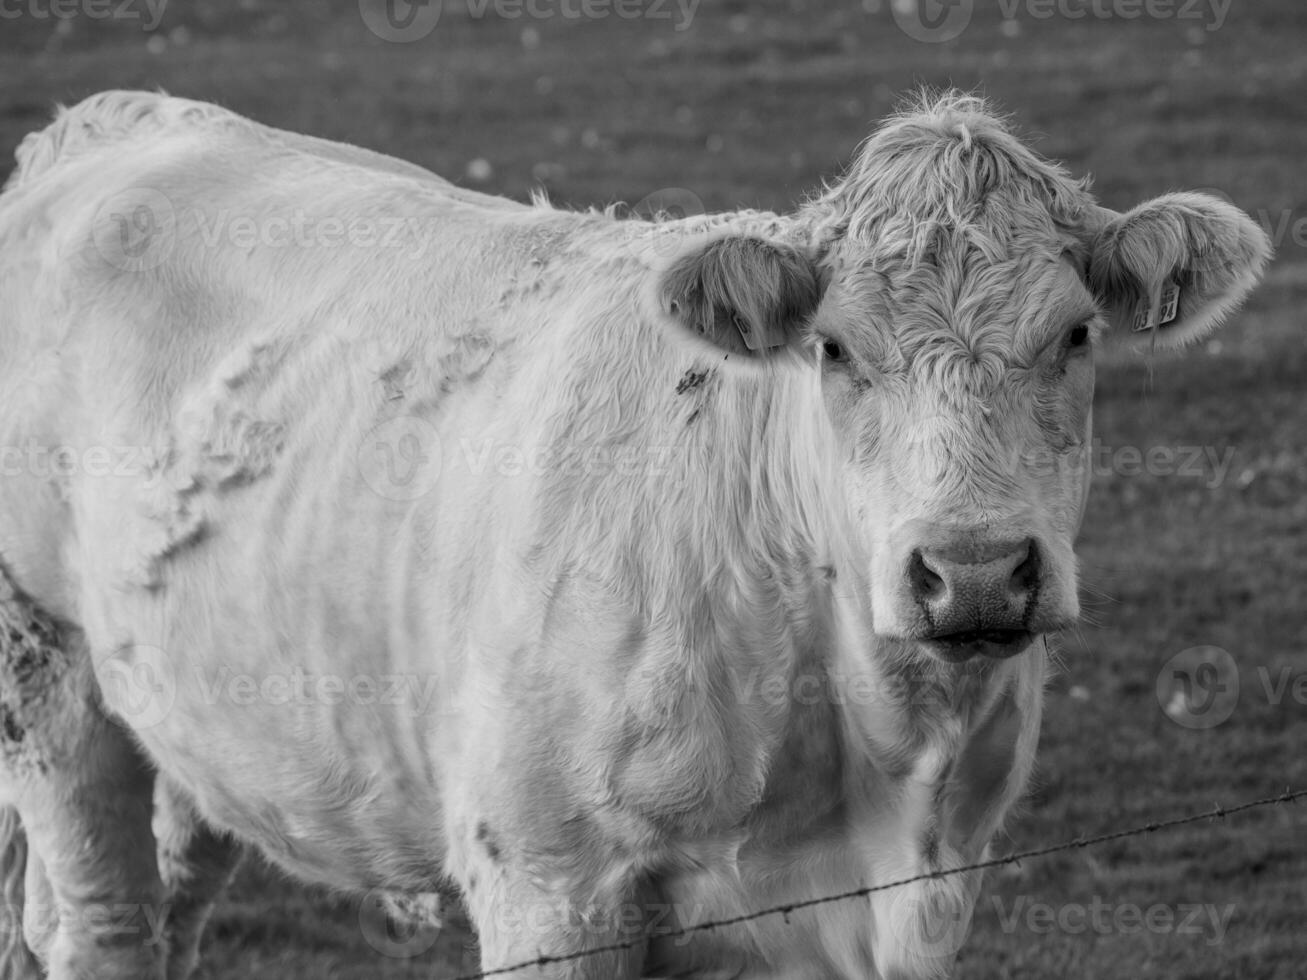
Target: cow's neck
{"x": 884, "y": 735}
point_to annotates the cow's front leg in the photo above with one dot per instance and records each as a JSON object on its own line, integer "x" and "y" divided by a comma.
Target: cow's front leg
{"x": 89, "y": 822}
{"x": 525, "y": 914}
{"x": 196, "y": 863}
{"x": 85, "y": 797}
{"x": 16, "y": 960}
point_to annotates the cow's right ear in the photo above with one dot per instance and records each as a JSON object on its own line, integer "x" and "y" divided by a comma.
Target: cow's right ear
{"x": 745, "y": 295}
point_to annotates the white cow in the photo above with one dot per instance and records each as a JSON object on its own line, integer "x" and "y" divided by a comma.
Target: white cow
{"x": 617, "y": 575}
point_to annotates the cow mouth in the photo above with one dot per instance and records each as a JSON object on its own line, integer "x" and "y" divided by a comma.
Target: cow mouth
{"x": 998, "y": 644}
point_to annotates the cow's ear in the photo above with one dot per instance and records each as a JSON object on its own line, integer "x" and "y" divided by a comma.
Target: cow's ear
{"x": 745, "y": 295}
{"x": 1171, "y": 269}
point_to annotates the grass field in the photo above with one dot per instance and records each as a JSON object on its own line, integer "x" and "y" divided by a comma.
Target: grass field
{"x": 750, "y": 104}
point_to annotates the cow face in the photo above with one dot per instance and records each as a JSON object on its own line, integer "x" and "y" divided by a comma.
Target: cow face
{"x": 965, "y": 286}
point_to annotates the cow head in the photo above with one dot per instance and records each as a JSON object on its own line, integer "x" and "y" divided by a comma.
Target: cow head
{"x": 952, "y": 290}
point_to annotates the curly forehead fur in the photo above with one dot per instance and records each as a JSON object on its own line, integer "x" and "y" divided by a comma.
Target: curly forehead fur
{"x": 946, "y": 171}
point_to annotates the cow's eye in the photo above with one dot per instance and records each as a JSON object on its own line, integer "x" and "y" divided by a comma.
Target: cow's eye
{"x": 832, "y": 350}
{"x": 1079, "y": 336}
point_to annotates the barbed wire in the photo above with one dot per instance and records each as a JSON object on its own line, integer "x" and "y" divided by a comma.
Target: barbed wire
{"x": 1216, "y": 813}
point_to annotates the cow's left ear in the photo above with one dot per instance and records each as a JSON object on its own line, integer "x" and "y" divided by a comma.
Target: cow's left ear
{"x": 1171, "y": 269}
{"x": 743, "y": 294}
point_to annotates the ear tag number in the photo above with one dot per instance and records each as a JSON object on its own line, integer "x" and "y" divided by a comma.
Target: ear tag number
{"x": 1169, "y": 310}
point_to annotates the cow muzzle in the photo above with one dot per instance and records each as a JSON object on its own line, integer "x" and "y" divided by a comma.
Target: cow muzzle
{"x": 975, "y": 598}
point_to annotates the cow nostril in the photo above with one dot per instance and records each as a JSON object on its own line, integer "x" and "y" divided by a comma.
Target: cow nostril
{"x": 1026, "y": 575}
{"x": 926, "y": 584}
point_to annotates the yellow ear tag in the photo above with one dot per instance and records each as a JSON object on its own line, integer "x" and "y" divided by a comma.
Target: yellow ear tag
{"x": 1169, "y": 309}
{"x": 764, "y": 340}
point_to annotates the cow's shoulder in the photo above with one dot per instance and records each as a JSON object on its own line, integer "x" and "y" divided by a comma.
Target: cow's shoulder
{"x": 109, "y": 119}
{"x": 132, "y": 119}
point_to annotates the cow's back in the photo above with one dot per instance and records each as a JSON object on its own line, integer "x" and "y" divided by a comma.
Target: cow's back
{"x": 242, "y": 347}
{"x": 152, "y": 248}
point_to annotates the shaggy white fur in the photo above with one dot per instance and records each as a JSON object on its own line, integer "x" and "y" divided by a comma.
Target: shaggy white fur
{"x": 564, "y": 561}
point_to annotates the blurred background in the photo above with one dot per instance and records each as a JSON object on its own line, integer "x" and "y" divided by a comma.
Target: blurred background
{"x": 1184, "y": 688}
